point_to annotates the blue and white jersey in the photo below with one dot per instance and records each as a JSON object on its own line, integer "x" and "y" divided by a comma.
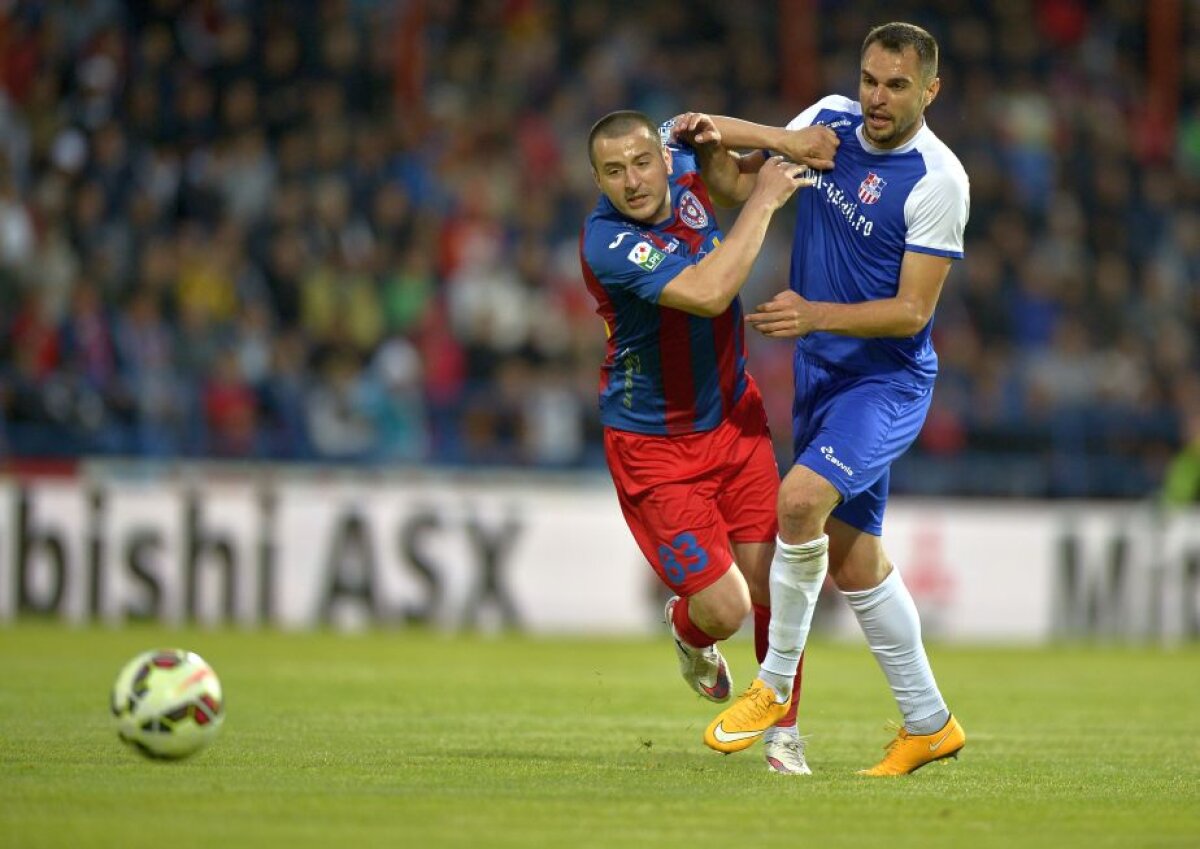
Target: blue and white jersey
{"x": 854, "y": 225}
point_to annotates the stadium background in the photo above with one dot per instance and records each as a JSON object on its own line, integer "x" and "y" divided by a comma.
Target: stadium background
{"x": 292, "y": 333}
{"x": 282, "y": 241}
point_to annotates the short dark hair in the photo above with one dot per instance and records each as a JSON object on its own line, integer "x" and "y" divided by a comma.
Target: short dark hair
{"x": 618, "y": 123}
{"x": 897, "y": 36}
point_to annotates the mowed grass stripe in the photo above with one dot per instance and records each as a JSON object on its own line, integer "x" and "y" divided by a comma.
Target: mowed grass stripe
{"x": 413, "y": 739}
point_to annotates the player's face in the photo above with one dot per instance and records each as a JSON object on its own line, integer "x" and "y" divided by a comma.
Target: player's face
{"x": 893, "y": 95}
{"x": 631, "y": 170}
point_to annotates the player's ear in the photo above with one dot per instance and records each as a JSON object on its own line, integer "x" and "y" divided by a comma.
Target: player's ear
{"x": 931, "y": 91}
{"x": 667, "y": 158}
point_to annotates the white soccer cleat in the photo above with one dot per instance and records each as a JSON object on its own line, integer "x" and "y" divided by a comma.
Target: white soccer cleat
{"x": 704, "y": 670}
{"x": 784, "y": 749}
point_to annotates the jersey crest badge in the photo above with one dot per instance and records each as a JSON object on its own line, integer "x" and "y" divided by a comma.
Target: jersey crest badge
{"x": 870, "y": 189}
{"x": 691, "y": 211}
{"x": 646, "y": 255}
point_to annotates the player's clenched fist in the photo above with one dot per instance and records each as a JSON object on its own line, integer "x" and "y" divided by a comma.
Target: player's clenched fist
{"x": 695, "y": 128}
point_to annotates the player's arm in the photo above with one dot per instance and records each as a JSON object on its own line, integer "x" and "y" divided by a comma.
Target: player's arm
{"x": 813, "y": 146}
{"x": 729, "y": 180}
{"x": 922, "y": 275}
{"x": 728, "y": 174}
{"x": 708, "y": 287}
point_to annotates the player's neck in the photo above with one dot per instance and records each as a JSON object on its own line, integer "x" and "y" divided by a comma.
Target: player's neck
{"x": 665, "y": 212}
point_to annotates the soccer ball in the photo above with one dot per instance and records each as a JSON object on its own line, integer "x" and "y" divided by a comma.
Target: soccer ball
{"x": 167, "y": 703}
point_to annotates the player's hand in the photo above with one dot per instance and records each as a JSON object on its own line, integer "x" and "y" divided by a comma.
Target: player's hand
{"x": 696, "y": 129}
{"x": 786, "y": 316}
{"x": 814, "y": 146}
{"x": 778, "y": 180}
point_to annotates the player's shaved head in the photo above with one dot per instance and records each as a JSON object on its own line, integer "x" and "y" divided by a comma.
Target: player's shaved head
{"x": 617, "y": 124}
{"x": 898, "y": 36}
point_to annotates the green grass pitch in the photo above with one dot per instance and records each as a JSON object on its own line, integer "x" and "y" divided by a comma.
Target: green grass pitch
{"x": 409, "y": 739}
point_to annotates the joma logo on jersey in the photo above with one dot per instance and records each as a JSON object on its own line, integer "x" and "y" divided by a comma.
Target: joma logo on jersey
{"x": 646, "y": 255}
{"x": 870, "y": 189}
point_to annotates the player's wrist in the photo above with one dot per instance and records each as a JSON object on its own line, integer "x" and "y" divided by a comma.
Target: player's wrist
{"x": 822, "y": 315}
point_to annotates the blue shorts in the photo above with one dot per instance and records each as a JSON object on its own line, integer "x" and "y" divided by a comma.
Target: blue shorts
{"x": 850, "y": 428}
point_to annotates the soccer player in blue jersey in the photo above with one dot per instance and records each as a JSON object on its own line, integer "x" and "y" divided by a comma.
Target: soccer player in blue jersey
{"x": 873, "y": 245}
{"x": 685, "y": 432}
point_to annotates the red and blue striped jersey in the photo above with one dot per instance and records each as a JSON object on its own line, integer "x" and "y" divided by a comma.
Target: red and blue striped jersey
{"x": 665, "y": 371}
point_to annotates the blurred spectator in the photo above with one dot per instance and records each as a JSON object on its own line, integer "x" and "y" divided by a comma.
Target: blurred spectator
{"x": 17, "y": 243}
{"x": 1182, "y": 484}
{"x": 337, "y": 412}
{"x": 146, "y": 350}
{"x": 230, "y": 408}
{"x": 395, "y": 404}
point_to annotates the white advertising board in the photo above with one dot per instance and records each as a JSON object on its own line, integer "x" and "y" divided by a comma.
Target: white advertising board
{"x": 546, "y": 555}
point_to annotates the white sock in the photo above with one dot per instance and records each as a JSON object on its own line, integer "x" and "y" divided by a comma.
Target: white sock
{"x": 890, "y": 622}
{"x": 776, "y": 731}
{"x": 797, "y": 573}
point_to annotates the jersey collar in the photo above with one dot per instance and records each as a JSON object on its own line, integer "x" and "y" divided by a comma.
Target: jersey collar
{"x": 911, "y": 144}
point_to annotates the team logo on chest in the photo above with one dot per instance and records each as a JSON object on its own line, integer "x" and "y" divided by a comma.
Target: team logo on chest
{"x": 691, "y": 211}
{"x": 870, "y": 189}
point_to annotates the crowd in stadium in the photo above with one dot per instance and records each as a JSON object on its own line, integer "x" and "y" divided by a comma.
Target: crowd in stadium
{"x": 340, "y": 230}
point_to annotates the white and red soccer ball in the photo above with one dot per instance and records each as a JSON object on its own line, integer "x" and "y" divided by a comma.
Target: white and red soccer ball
{"x": 167, "y": 703}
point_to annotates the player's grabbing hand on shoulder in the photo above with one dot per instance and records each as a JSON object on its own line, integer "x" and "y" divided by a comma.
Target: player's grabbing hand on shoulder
{"x": 815, "y": 146}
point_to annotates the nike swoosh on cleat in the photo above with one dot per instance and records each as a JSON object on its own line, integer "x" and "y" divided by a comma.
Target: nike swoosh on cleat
{"x": 716, "y": 691}
{"x": 724, "y": 736}
{"x": 933, "y": 747}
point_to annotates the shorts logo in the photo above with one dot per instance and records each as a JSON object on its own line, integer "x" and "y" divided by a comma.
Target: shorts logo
{"x": 827, "y": 453}
{"x": 691, "y": 211}
{"x": 871, "y": 188}
{"x": 646, "y": 255}
{"x": 684, "y": 556}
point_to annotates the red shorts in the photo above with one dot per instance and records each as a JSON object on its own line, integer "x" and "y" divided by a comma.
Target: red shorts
{"x": 685, "y": 498}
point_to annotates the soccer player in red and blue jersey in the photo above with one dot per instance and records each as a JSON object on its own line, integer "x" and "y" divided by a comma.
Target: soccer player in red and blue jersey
{"x": 874, "y": 243}
{"x": 685, "y": 432}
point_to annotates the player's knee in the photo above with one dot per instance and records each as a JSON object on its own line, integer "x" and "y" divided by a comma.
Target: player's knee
{"x": 804, "y": 504}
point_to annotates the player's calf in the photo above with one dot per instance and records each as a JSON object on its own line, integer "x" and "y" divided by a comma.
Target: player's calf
{"x": 704, "y": 669}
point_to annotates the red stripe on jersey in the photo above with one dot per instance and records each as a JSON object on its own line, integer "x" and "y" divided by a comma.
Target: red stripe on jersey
{"x": 693, "y": 238}
{"x": 606, "y": 311}
{"x": 675, "y": 365}
{"x": 725, "y": 339}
